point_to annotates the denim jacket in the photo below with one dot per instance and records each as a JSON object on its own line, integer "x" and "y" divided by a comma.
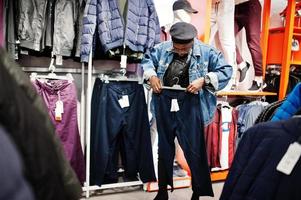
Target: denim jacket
{"x": 204, "y": 60}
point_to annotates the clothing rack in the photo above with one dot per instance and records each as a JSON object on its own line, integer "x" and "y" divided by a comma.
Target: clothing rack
{"x": 87, "y": 187}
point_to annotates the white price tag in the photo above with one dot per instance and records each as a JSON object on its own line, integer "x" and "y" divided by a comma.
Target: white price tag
{"x": 124, "y": 101}
{"x": 24, "y": 52}
{"x": 60, "y": 106}
{"x": 174, "y": 106}
{"x": 58, "y": 115}
{"x": 123, "y": 62}
{"x": 290, "y": 158}
{"x": 58, "y": 60}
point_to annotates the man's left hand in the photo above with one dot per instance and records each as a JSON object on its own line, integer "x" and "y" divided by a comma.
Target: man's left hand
{"x": 196, "y": 85}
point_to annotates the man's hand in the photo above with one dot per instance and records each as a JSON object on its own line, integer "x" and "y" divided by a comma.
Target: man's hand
{"x": 155, "y": 84}
{"x": 195, "y": 86}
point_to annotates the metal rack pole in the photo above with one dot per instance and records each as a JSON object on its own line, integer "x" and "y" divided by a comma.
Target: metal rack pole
{"x": 88, "y": 124}
{"x": 82, "y": 107}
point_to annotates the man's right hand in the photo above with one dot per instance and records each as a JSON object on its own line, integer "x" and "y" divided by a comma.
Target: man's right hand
{"x": 155, "y": 84}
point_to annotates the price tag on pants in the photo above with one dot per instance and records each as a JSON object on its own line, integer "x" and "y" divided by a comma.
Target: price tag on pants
{"x": 174, "y": 105}
{"x": 124, "y": 101}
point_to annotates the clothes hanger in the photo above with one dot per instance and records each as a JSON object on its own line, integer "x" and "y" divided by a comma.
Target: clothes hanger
{"x": 51, "y": 75}
{"x": 121, "y": 75}
{"x": 175, "y": 86}
{"x": 106, "y": 78}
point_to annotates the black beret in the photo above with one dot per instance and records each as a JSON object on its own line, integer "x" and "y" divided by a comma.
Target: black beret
{"x": 182, "y": 32}
{"x": 185, "y": 5}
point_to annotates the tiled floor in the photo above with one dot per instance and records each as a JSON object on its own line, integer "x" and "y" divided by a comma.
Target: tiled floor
{"x": 136, "y": 193}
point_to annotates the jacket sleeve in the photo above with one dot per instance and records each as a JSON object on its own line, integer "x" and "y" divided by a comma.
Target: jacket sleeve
{"x": 89, "y": 25}
{"x": 150, "y": 62}
{"x": 153, "y": 36}
{"x": 219, "y": 71}
{"x": 290, "y": 106}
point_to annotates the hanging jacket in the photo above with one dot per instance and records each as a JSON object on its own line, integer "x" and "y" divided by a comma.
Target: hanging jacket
{"x": 139, "y": 32}
{"x": 2, "y": 18}
{"x": 32, "y": 22}
{"x": 11, "y": 35}
{"x": 24, "y": 115}
{"x": 290, "y": 106}
{"x": 65, "y": 22}
{"x": 269, "y": 111}
{"x": 253, "y": 174}
{"x": 82, "y": 5}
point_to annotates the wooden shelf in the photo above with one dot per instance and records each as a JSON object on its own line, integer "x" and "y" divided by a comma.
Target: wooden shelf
{"x": 245, "y": 93}
{"x": 296, "y": 62}
{"x": 280, "y": 29}
{"x": 297, "y": 28}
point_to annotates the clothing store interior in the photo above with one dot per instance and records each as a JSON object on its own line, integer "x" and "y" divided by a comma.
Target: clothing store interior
{"x": 203, "y": 76}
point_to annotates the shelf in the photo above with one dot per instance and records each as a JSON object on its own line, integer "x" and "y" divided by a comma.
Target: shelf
{"x": 296, "y": 63}
{"x": 245, "y": 93}
{"x": 280, "y": 29}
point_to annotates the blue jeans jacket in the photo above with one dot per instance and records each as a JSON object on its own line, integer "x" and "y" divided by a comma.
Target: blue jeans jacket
{"x": 204, "y": 60}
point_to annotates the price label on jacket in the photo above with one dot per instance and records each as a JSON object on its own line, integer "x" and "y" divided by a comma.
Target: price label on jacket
{"x": 290, "y": 158}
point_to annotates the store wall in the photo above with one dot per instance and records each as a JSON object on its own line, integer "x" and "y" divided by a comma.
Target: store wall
{"x": 199, "y": 19}
{"x": 165, "y": 13}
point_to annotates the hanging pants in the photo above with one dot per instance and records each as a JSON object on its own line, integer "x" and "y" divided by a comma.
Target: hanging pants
{"x": 67, "y": 129}
{"x": 187, "y": 125}
{"x": 116, "y": 130}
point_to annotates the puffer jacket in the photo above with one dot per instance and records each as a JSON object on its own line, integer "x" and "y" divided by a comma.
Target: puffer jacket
{"x": 139, "y": 32}
{"x": 290, "y": 106}
{"x": 31, "y": 25}
{"x": 34, "y": 138}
